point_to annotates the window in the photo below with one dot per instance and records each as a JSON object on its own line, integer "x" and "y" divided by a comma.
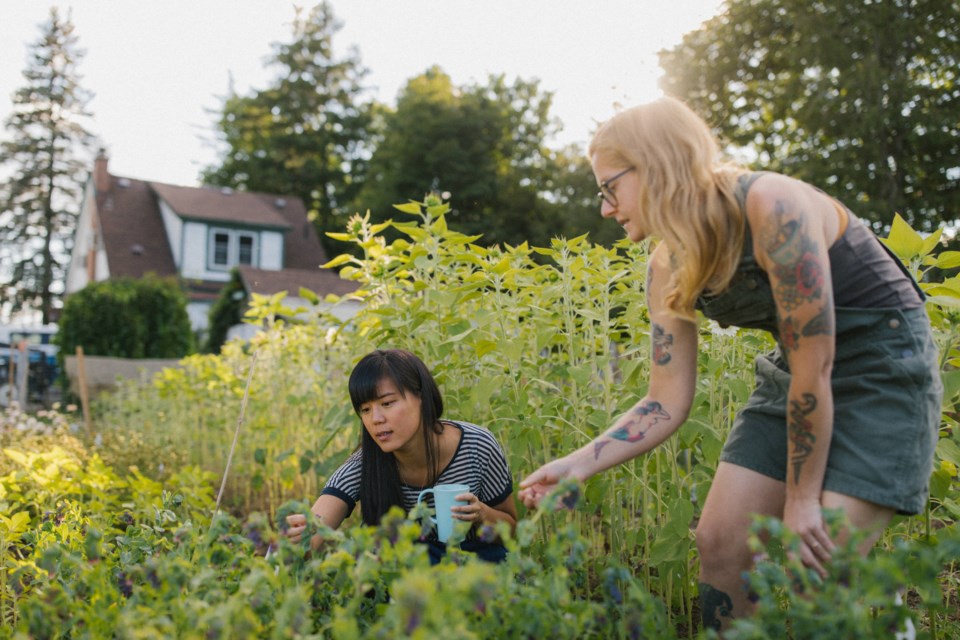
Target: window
{"x": 228, "y": 248}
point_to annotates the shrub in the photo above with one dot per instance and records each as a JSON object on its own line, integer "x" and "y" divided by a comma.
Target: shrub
{"x": 127, "y": 318}
{"x": 226, "y": 311}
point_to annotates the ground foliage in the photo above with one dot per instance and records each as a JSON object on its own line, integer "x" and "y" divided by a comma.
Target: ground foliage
{"x": 545, "y": 353}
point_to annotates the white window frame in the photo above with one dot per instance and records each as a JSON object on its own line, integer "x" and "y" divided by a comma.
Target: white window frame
{"x": 233, "y": 248}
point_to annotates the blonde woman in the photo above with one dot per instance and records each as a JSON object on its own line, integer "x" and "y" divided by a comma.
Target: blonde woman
{"x": 845, "y": 411}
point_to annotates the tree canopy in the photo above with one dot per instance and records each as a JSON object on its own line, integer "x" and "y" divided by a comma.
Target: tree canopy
{"x": 486, "y": 145}
{"x": 306, "y": 135}
{"x": 860, "y": 98}
{"x": 40, "y": 201}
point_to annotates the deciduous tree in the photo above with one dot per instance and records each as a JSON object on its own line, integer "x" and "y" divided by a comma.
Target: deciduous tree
{"x": 859, "y": 97}
{"x": 486, "y": 145}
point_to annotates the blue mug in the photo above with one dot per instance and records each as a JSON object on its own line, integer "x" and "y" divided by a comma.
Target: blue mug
{"x": 444, "y": 499}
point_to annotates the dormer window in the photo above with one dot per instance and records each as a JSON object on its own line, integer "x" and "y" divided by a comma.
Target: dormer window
{"x": 228, "y": 248}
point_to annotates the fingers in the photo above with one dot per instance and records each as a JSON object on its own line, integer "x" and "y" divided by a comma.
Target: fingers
{"x": 297, "y": 524}
{"x": 532, "y": 495}
{"x": 816, "y": 550}
{"x": 472, "y": 511}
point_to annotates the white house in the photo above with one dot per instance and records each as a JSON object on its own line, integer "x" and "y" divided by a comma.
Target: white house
{"x": 129, "y": 228}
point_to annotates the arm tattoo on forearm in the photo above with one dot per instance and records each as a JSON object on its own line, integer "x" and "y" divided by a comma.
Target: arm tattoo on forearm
{"x": 643, "y": 418}
{"x": 800, "y": 429}
{"x": 819, "y": 325}
{"x": 662, "y": 342}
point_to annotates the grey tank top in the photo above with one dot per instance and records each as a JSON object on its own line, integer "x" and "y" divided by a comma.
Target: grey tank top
{"x": 865, "y": 274}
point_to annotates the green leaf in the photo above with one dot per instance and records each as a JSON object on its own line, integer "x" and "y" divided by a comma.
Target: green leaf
{"x": 309, "y": 295}
{"x": 903, "y": 240}
{"x": 409, "y": 207}
{"x": 343, "y": 258}
{"x": 948, "y": 260}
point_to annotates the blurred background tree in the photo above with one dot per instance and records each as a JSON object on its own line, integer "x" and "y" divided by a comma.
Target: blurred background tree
{"x": 314, "y": 135}
{"x": 859, "y": 97}
{"x": 305, "y": 136}
{"x": 45, "y": 158}
{"x": 487, "y": 145}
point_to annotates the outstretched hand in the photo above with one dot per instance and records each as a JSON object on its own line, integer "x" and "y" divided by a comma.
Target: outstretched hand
{"x": 536, "y": 486}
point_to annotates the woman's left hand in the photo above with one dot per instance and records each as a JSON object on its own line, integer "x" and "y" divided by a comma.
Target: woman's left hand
{"x": 470, "y": 512}
{"x": 805, "y": 518}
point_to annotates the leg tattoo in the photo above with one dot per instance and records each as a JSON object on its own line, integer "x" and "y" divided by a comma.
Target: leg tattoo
{"x": 714, "y": 604}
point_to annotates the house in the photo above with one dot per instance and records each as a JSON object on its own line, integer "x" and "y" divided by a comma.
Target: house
{"x": 129, "y": 228}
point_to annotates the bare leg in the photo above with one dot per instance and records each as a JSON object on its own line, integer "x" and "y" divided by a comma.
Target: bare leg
{"x": 736, "y": 494}
{"x": 863, "y": 516}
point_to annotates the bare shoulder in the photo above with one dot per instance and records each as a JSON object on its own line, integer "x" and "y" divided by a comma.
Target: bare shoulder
{"x": 778, "y": 207}
{"x": 660, "y": 259}
{"x": 771, "y": 192}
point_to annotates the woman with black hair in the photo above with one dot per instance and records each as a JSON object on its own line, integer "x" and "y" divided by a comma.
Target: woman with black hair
{"x": 405, "y": 448}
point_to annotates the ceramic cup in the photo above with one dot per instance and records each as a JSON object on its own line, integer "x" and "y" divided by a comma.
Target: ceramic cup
{"x": 444, "y": 499}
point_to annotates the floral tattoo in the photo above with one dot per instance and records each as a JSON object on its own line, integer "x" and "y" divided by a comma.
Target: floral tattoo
{"x": 800, "y": 278}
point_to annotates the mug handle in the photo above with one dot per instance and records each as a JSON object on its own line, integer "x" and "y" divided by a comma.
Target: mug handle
{"x": 420, "y": 498}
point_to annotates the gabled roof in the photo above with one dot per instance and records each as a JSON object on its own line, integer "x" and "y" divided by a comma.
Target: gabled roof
{"x": 133, "y": 235}
{"x": 212, "y": 204}
{"x": 319, "y": 281}
{"x": 136, "y": 241}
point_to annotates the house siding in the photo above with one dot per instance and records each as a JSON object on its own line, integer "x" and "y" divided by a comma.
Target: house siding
{"x": 174, "y": 228}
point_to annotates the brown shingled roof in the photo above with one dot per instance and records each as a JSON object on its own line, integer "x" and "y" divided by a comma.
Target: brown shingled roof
{"x": 301, "y": 247}
{"x": 136, "y": 241}
{"x": 133, "y": 233}
{"x": 222, "y": 205}
{"x": 320, "y": 281}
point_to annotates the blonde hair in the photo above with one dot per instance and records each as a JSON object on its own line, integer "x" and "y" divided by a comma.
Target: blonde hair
{"x": 686, "y": 196}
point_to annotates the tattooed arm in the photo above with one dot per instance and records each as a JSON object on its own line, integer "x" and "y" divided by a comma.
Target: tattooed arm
{"x": 673, "y": 352}
{"x": 792, "y": 224}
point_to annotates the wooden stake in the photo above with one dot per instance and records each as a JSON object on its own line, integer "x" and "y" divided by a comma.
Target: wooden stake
{"x": 84, "y": 392}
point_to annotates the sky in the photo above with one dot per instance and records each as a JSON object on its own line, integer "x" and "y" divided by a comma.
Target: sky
{"x": 159, "y": 70}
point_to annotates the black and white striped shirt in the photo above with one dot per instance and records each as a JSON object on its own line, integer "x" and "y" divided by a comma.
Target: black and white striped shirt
{"x": 478, "y": 462}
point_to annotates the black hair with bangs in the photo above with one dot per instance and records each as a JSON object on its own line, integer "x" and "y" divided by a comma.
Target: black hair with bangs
{"x": 380, "y": 475}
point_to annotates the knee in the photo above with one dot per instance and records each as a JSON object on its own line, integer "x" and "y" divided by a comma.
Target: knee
{"x": 720, "y": 545}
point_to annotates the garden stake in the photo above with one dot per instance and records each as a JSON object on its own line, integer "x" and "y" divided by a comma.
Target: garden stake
{"x": 236, "y": 433}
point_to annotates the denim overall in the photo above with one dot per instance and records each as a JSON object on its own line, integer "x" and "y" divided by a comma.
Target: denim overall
{"x": 886, "y": 392}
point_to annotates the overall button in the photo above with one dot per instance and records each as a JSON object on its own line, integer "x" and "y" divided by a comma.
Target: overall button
{"x": 752, "y": 283}
{"x": 894, "y": 323}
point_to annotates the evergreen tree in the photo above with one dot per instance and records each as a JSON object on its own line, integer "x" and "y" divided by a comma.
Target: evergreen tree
{"x": 40, "y": 200}
{"x": 306, "y": 135}
{"x": 858, "y": 97}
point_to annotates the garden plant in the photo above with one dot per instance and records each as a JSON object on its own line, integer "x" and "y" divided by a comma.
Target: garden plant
{"x": 124, "y": 533}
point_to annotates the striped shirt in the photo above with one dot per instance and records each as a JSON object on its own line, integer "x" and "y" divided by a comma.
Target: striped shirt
{"x": 478, "y": 462}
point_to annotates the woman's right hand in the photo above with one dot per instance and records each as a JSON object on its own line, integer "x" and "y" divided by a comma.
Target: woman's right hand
{"x": 297, "y": 524}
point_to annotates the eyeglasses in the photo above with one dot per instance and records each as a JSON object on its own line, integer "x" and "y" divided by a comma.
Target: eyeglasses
{"x": 606, "y": 192}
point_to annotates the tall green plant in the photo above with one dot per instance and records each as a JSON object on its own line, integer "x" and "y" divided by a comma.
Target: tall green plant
{"x": 543, "y": 345}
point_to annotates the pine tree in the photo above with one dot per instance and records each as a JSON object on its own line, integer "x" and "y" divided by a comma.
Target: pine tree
{"x": 41, "y": 160}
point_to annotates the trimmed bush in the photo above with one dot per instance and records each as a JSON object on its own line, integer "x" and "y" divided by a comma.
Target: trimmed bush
{"x": 226, "y": 311}
{"x": 127, "y": 318}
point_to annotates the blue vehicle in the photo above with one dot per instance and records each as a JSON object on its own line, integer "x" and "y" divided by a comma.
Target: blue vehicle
{"x": 41, "y": 353}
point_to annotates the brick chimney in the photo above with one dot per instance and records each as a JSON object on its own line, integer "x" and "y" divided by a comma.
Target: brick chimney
{"x": 101, "y": 179}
